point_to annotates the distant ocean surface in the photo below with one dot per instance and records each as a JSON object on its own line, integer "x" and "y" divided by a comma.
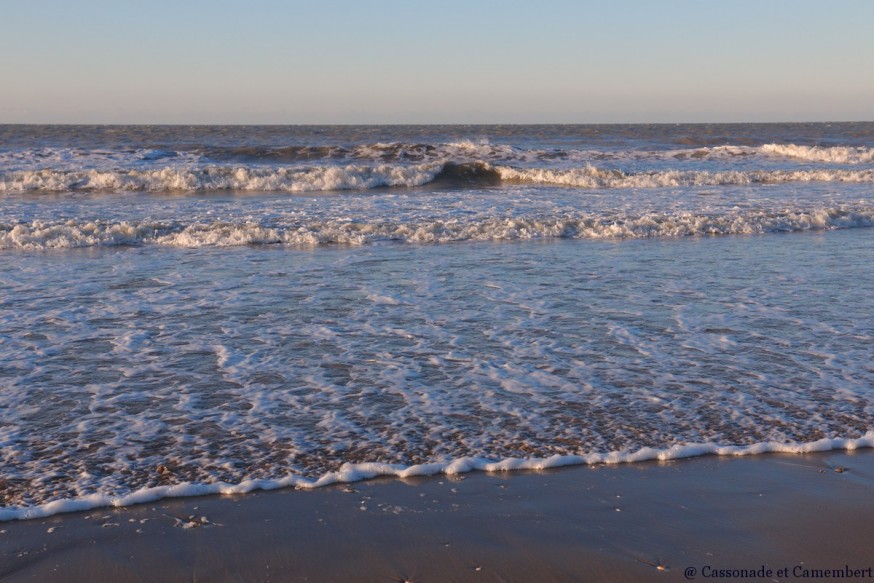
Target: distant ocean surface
{"x": 189, "y": 310}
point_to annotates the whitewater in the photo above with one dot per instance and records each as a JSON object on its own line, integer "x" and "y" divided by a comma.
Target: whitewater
{"x": 194, "y": 310}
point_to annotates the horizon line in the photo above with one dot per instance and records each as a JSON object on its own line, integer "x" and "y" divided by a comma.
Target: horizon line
{"x": 457, "y": 124}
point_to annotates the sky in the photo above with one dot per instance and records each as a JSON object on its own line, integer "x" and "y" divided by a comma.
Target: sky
{"x": 413, "y": 61}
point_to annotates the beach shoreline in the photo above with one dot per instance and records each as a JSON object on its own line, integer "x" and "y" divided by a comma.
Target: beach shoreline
{"x": 796, "y": 516}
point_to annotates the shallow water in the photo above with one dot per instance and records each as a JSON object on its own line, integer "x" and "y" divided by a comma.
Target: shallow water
{"x": 153, "y": 338}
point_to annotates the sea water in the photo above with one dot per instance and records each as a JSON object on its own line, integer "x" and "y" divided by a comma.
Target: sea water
{"x": 220, "y": 309}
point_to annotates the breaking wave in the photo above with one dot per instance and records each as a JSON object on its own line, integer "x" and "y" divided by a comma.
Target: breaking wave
{"x": 215, "y": 178}
{"x": 467, "y": 150}
{"x": 464, "y": 150}
{"x": 40, "y": 235}
{"x": 834, "y": 154}
{"x": 362, "y": 177}
{"x": 592, "y": 177}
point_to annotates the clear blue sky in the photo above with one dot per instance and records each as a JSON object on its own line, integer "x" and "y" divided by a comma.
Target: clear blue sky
{"x": 412, "y": 61}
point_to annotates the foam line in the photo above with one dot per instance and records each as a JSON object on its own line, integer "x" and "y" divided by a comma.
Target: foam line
{"x": 365, "y": 471}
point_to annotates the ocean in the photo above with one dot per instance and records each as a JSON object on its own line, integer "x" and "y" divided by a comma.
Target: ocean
{"x": 194, "y": 310}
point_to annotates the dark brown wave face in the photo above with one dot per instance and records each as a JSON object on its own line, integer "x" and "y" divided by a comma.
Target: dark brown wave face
{"x": 471, "y": 174}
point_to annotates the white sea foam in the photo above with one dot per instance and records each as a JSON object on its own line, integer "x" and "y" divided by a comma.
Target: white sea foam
{"x": 233, "y": 367}
{"x": 212, "y": 178}
{"x": 592, "y": 177}
{"x": 71, "y": 233}
{"x": 833, "y": 154}
{"x": 483, "y": 151}
{"x": 824, "y": 154}
{"x": 328, "y": 178}
{"x": 365, "y": 471}
{"x": 244, "y": 369}
{"x": 192, "y": 158}
{"x": 470, "y": 151}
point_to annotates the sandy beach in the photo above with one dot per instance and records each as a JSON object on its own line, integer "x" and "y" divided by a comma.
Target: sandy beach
{"x": 797, "y": 517}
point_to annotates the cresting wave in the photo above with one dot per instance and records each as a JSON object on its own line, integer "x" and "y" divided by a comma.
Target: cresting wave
{"x": 834, "y": 154}
{"x": 467, "y": 150}
{"x": 214, "y": 178}
{"x": 356, "y": 472}
{"x": 464, "y": 151}
{"x": 591, "y": 177}
{"x": 41, "y": 235}
{"x": 386, "y": 152}
{"x": 355, "y": 177}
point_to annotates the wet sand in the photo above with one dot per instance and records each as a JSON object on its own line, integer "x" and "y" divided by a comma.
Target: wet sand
{"x": 640, "y": 522}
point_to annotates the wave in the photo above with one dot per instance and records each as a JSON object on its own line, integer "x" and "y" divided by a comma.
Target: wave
{"x": 834, "y": 154}
{"x": 42, "y": 235}
{"x": 828, "y": 154}
{"x": 463, "y": 151}
{"x": 468, "y": 151}
{"x": 82, "y": 159}
{"x": 362, "y": 177}
{"x": 357, "y": 472}
{"x": 214, "y": 168}
{"x": 216, "y": 178}
{"x": 592, "y": 177}
{"x": 71, "y": 159}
